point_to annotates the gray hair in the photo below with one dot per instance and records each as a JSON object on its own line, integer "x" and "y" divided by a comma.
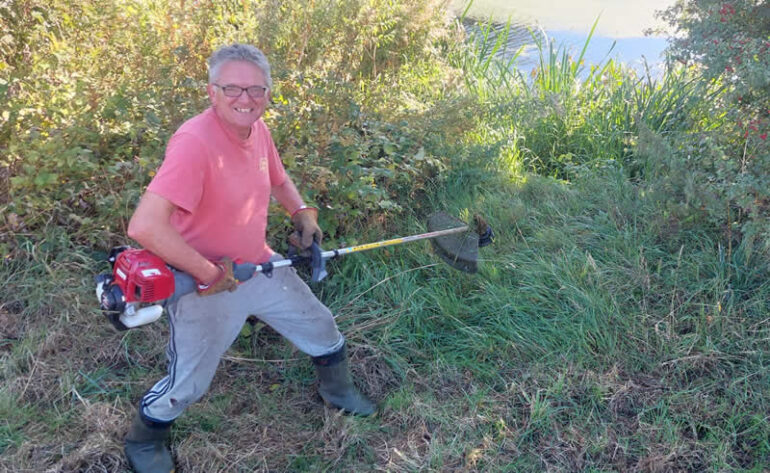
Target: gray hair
{"x": 239, "y": 52}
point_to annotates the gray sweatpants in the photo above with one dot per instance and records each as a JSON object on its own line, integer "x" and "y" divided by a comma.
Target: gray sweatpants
{"x": 203, "y": 328}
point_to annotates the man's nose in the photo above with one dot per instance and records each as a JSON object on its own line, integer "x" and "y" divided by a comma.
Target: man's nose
{"x": 244, "y": 97}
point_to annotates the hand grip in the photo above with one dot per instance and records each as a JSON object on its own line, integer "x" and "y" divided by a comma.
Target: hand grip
{"x": 318, "y": 262}
{"x": 185, "y": 284}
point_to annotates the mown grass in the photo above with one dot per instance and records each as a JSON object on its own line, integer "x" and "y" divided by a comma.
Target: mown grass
{"x": 610, "y": 327}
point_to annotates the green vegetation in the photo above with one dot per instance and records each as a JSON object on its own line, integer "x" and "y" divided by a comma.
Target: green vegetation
{"x": 731, "y": 42}
{"x": 618, "y": 323}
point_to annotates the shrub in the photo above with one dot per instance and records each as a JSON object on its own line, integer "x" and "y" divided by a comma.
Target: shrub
{"x": 729, "y": 39}
{"x": 729, "y": 43}
{"x": 92, "y": 91}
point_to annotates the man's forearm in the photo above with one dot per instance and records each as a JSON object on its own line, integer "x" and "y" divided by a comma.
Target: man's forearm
{"x": 287, "y": 195}
{"x": 151, "y": 228}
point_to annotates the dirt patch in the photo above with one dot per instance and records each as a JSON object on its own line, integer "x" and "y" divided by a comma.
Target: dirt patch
{"x": 100, "y": 449}
{"x": 668, "y": 459}
{"x": 371, "y": 372}
{"x": 629, "y": 399}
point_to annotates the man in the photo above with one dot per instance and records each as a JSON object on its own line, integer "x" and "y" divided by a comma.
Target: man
{"x": 205, "y": 208}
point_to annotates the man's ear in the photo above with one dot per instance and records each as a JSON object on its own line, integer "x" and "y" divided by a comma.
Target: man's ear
{"x": 211, "y": 91}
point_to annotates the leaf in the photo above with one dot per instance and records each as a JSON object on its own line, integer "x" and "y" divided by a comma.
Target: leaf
{"x": 45, "y": 178}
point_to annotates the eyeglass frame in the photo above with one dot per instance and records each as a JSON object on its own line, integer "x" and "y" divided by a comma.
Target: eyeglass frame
{"x": 242, "y": 90}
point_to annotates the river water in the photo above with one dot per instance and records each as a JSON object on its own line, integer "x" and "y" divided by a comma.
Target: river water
{"x": 620, "y": 32}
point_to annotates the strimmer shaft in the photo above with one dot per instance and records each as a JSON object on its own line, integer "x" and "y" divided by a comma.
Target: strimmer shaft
{"x": 366, "y": 246}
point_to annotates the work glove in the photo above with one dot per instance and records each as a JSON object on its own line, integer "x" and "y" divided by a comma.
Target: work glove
{"x": 224, "y": 282}
{"x": 305, "y": 222}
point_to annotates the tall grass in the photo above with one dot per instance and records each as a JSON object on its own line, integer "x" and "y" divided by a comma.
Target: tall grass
{"x": 556, "y": 70}
{"x": 564, "y": 113}
{"x": 489, "y": 60}
{"x": 616, "y": 271}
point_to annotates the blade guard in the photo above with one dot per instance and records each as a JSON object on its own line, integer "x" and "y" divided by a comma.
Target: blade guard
{"x": 459, "y": 250}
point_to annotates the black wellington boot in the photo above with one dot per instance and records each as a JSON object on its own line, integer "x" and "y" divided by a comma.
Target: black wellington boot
{"x": 337, "y": 388}
{"x": 146, "y": 448}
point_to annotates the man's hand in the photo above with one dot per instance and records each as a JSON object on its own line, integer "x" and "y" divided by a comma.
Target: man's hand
{"x": 225, "y": 281}
{"x": 305, "y": 222}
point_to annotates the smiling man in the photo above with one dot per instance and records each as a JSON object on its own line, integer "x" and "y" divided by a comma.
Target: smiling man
{"x": 205, "y": 208}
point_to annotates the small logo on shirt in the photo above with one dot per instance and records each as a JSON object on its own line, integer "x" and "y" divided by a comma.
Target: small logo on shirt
{"x": 263, "y": 164}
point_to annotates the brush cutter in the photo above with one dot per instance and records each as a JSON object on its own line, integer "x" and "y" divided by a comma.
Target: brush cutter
{"x": 140, "y": 282}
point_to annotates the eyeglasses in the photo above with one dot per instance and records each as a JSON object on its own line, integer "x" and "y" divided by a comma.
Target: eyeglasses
{"x": 255, "y": 91}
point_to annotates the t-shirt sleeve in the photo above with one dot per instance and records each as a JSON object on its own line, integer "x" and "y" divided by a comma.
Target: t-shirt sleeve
{"x": 274, "y": 164}
{"x": 180, "y": 177}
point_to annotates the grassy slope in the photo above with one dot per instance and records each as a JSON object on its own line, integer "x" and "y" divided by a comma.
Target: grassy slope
{"x": 601, "y": 333}
{"x": 594, "y": 338}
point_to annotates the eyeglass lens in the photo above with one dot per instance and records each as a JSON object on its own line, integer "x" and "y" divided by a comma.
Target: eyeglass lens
{"x": 255, "y": 91}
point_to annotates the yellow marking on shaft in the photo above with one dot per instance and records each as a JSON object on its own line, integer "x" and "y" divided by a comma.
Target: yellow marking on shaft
{"x": 378, "y": 244}
{"x": 396, "y": 241}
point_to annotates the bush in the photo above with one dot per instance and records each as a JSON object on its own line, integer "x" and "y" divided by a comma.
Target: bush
{"x": 94, "y": 89}
{"x": 728, "y": 42}
{"x": 729, "y": 39}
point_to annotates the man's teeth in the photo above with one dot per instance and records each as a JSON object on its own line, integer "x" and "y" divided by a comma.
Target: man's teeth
{"x": 243, "y": 110}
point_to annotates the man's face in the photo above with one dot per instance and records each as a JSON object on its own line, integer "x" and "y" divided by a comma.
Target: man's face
{"x": 238, "y": 113}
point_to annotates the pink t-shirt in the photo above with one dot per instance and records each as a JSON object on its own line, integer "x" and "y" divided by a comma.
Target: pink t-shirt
{"x": 221, "y": 187}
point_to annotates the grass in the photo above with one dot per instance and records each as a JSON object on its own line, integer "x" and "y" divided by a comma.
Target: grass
{"x": 584, "y": 344}
{"x": 607, "y": 328}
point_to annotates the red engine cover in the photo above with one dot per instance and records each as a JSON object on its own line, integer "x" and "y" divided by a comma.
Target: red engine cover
{"x": 142, "y": 276}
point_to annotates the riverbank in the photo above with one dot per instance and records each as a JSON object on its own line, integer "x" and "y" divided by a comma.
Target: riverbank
{"x": 617, "y": 323}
